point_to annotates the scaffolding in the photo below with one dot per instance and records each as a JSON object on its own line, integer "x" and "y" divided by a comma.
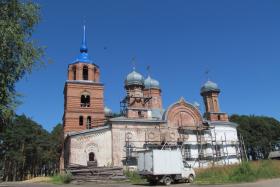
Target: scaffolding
{"x": 210, "y": 150}
{"x": 128, "y": 100}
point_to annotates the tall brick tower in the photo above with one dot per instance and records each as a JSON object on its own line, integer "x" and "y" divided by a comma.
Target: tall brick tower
{"x": 83, "y": 94}
{"x": 210, "y": 93}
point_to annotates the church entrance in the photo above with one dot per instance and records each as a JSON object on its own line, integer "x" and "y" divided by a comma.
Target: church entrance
{"x": 92, "y": 160}
{"x": 91, "y": 156}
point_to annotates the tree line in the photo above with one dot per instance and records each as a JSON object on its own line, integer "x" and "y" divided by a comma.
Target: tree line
{"x": 28, "y": 150}
{"x": 260, "y": 133}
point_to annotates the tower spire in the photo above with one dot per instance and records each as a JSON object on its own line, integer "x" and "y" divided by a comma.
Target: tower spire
{"x": 83, "y": 56}
{"x": 84, "y": 42}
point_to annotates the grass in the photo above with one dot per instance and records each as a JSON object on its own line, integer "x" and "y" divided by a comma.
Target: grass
{"x": 245, "y": 172}
{"x": 61, "y": 178}
{"x": 134, "y": 177}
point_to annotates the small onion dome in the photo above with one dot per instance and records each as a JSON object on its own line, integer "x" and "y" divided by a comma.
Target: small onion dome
{"x": 108, "y": 112}
{"x": 209, "y": 86}
{"x": 134, "y": 78}
{"x": 151, "y": 83}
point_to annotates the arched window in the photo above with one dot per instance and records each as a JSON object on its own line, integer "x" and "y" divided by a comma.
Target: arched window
{"x": 85, "y": 73}
{"x": 85, "y": 101}
{"x": 94, "y": 74}
{"x": 81, "y": 120}
{"x": 74, "y": 73}
{"x": 140, "y": 115}
{"x": 91, "y": 156}
{"x": 88, "y": 122}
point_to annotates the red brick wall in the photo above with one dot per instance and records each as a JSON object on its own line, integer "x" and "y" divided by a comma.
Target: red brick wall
{"x": 156, "y": 101}
{"x": 72, "y": 99}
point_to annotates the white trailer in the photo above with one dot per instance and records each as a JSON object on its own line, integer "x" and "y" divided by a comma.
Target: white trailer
{"x": 165, "y": 166}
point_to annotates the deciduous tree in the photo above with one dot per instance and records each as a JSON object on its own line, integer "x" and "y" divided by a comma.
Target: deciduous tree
{"x": 18, "y": 50}
{"x": 259, "y": 133}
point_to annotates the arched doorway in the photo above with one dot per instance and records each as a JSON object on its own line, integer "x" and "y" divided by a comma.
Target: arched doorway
{"x": 92, "y": 160}
{"x": 91, "y": 156}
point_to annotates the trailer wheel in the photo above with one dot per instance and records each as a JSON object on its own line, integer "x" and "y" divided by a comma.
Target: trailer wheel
{"x": 167, "y": 180}
{"x": 190, "y": 178}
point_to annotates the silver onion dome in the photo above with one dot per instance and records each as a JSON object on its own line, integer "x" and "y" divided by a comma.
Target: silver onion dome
{"x": 151, "y": 83}
{"x": 134, "y": 78}
{"x": 209, "y": 86}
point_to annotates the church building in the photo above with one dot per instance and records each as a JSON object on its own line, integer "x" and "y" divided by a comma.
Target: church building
{"x": 93, "y": 136}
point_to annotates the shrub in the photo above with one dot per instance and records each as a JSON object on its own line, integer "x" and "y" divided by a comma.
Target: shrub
{"x": 134, "y": 177}
{"x": 62, "y": 178}
{"x": 243, "y": 173}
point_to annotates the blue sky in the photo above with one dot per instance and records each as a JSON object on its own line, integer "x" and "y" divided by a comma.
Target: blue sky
{"x": 238, "y": 41}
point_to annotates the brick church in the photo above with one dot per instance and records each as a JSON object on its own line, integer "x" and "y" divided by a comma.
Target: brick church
{"x": 93, "y": 136}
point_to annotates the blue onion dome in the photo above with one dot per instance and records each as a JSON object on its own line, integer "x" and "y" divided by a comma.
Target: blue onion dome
{"x": 108, "y": 112}
{"x": 151, "y": 83}
{"x": 134, "y": 78}
{"x": 209, "y": 86}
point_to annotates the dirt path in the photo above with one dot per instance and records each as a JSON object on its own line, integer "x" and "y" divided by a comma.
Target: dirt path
{"x": 263, "y": 183}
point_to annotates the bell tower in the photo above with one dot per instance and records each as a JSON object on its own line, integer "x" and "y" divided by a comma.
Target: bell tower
{"x": 210, "y": 93}
{"x": 83, "y": 93}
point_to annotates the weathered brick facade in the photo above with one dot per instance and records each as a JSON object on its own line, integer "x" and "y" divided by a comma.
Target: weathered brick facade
{"x": 156, "y": 101}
